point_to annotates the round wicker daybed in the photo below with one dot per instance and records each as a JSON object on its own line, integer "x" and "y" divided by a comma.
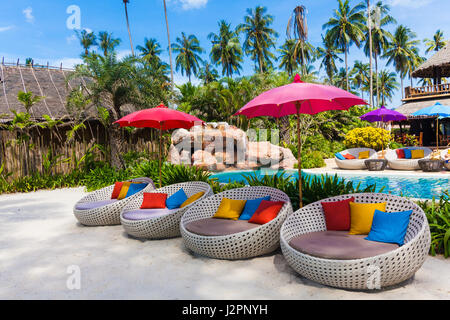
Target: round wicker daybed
{"x": 446, "y": 161}
{"x": 160, "y": 224}
{"x": 97, "y": 208}
{"x": 252, "y": 241}
{"x": 406, "y": 164}
{"x": 355, "y": 164}
{"x": 393, "y": 266}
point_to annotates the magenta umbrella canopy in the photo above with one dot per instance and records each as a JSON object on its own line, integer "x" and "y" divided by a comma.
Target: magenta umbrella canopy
{"x": 312, "y": 98}
{"x": 383, "y": 114}
{"x": 298, "y": 98}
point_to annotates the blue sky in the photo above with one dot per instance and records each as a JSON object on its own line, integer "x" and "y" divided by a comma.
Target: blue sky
{"x": 38, "y": 29}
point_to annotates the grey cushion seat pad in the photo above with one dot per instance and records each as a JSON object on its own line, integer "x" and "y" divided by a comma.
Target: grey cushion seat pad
{"x": 219, "y": 227}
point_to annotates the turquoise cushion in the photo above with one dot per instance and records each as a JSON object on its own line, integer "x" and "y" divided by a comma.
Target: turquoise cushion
{"x": 389, "y": 227}
{"x": 251, "y": 206}
{"x": 339, "y": 156}
{"x": 176, "y": 200}
{"x": 135, "y": 188}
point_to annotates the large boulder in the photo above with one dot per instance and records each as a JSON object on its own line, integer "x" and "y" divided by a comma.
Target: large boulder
{"x": 205, "y": 160}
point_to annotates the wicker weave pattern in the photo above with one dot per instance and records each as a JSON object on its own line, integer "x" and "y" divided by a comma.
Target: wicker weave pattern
{"x": 355, "y": 164}
{"x": 247, "y": 244}
{"x": 395, "y": 266}
{"x": 109, "y": 214}
{"x": 166, "y": 226}
{"x": 405, "y": 164}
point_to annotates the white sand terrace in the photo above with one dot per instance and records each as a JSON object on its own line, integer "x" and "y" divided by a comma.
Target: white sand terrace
{"x": 41, "y": 239}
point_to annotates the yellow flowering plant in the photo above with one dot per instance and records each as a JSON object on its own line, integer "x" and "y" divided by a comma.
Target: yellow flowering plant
{"x": 369, "y": 137}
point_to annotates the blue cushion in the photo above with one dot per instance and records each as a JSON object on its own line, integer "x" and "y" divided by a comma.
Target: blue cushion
{"x": 339, "y": 156}
{"x": 135, "y": 188}
{"x": 389, "y": 227}
{"x": 176, "y": 200}
{"x": 251, "y": 206}
{"x": 407, "y": 153}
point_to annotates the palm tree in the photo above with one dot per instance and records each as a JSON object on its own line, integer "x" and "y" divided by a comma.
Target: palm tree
{"x": 345, "y": 28}
{"x": 188, "y": 59}
{"x": 380, "y": 36}
{"x": 226, "y": 49}
{"x": 287, "y": 58}
{"x": 298, "y": 26}
{"x": 87, "y": 39}
{"x": 168, "y": 41}
{"x": 107, "y": 42}
{"x": 435, "y": 44}
{"x": 151, "y": 49}
{"x": 259, "y": 37}
{"x": 401, "y": 50}
{"x": 340, "y": 79}
{"x": 329, "y": 54}
{"x": 359, "y": 75}
{"x": 208, "y": 73}
{"x": 388, "y": 84}
{"x": 125, "y": 2}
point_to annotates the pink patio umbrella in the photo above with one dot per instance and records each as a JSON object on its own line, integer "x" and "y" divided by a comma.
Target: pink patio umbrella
{"x": 299, "y": 98}
{"x": 161, "y": 118}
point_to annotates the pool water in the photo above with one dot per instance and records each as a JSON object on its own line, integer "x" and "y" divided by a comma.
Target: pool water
{"x": 415, "y": 186}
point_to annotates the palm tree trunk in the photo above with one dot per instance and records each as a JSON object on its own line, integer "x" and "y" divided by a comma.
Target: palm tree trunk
{"x": 346, "y": 67}
{"x": 170, "y": 47}
{"x": 403, "y": 90}
{"x": 115, "y": 144}
{"x": 128, "y": 27}
{"x": 376, "y": 78}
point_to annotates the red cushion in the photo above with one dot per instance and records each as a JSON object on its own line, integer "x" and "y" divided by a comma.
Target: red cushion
{"x": 337, "y": 214}
{"x": 400, "y": 153}
{"x": 154, "y": 200}
{"x": 348, "y": 156}
{"x": 116, "y": 190}
{"x": 267, "y": 211}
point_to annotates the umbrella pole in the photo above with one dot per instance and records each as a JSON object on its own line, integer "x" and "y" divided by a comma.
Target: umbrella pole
{"x": 160, "y": 149}
{"x": 437, "y": 133}
{"x": 299, "y": 157}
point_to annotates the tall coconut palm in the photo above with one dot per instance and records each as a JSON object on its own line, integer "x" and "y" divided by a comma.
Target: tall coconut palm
{"x": 208, "y": 73}
{"x": 328, "y": 54}
{"x": 107, "y": 42}
{"x": 435, "y": 44}
{"x": 151, "y": 49}
{"x": 400, "y": 51}
{"x": 298, "y": 27}
{"x": 359, "y": 75}
{"x": 287, "y": 58}
{"x": 87, "y": 40}
{"x": 388, "y": 85}
{"x": 168, "y": 41}
{"x": 188, "y": 58}
{"x": 380, "y": 18}
{"x": 346, "y": 27}
{"x": 226, "y": 49}
{"x": 126, "y": 2}
{"x": 259, "y": 37}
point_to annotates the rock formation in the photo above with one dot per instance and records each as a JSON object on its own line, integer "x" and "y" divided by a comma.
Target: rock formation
{"x": 219, "y": 146}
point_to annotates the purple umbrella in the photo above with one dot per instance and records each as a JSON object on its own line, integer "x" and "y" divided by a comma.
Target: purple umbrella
{"x": 383, "y": 115}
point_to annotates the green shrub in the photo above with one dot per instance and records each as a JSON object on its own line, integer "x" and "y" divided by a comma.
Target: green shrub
{"x": 438, "y": 215}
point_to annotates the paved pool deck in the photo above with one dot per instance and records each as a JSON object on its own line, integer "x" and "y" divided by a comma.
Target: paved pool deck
{"x": 42, "y": 248}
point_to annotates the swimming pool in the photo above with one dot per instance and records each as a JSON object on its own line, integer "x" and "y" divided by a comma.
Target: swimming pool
{"x": 410, "y": 185}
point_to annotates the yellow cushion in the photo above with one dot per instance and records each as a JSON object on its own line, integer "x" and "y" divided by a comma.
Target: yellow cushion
{"x": 361, "y": 216}
{"x": 364, "y": 154}
{"x": 230, "y": 209}
{"x": 192, "y": 198}
{"x": 124, "y": 190}
{"x": 417, "y": 154}
{"x": 448, "y": 151}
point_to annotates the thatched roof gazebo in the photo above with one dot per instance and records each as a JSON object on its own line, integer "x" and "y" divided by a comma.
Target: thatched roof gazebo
{"x": 437, "y": 67}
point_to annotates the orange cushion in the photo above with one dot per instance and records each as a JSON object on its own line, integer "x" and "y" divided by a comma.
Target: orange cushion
{"x": 116, "y": 190}
{"x": 154, "y": 200}
{"x": 267, "y": 211}
{"x": 348, "y": 156}
{"x": 124, "y": 190}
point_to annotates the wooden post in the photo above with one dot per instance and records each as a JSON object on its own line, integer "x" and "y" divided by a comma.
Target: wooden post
{"x": 299, "y": 156}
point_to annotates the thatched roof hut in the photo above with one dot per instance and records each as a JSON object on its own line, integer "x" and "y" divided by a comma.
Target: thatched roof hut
{"x": 49, "y": 82}
{"x": 437, "y": 66}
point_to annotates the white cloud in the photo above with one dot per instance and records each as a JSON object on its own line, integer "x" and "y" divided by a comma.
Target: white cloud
{"x": 410, "y": 3}
{"x": 71, "y": 39}
{"x": 191, "y": 4}
{"x": 28, "y": 13}
{"x": 2, "y": 29}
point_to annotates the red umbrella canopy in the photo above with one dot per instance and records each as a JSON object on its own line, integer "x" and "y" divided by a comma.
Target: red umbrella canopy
{"x": 313, "y": 98}
{"x": 159, "y": 117}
